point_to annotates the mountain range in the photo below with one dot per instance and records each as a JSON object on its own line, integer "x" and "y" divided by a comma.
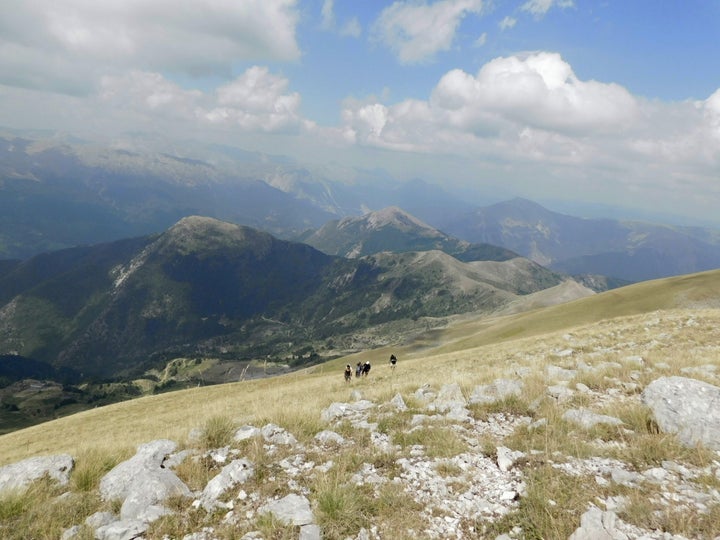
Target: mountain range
{"x": 392, "y": 229}
{"x": 629, "y": 250}
{"x": 211, "y": 288}
{"x": 58, "y": 192}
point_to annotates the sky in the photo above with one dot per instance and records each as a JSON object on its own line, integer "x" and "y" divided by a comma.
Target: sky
{"x": 612, "y": 102}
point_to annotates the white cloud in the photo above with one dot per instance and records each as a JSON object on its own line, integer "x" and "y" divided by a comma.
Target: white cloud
{"x": 327, "y": 13}
{"x": 509, "y": 95}
{"x": 416, "y": 31}
{"x": 351, "y": 27}
{"x": 145, "y": 92}
{"x": 540, "y": 7}
{"x": 66, "y": 46}
{"x": 540, "y": 90}
{"x": 256, "y": 101}
{"x": 507, "y": 22}
{"x": 479, "y": 42}
{"x": 533, "y": 122}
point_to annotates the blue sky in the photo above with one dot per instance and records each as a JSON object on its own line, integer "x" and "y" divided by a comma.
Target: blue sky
{"x": 605, "y": 102}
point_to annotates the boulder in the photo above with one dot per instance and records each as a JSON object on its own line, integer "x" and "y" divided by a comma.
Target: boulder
{"x": 559, "y": 392}
{"x": 276, "y": 435}
{"x": 507, "y": 458}
{"x": 398, "y": 403}
{"x": 292, "y": 509}
{"x": 246, "y": 432}
{"x": 329, "y": 438}
{"x": 121, "y": 530}
{"x": 557, "y": 373}
{"x": 142, "y": 483}
{"x": 686, "y": 407}
{"x": 99, "y": 519}
{"x": 310, "y": 532}
{"x": 598, "y": 525}
{"x": 236, "y": 472}
{"x": 588, "y": 419}
{"x": 425, "y": 393}
{"x": 72, "y": 532}
{"x": 450, "y": 400}
{"x": 496, "y": 391}
{"x": 19, "y": 475}
{"x": 339, "y": 411}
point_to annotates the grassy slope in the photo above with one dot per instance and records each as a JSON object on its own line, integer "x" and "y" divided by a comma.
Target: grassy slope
{"x": 454, "y": 353}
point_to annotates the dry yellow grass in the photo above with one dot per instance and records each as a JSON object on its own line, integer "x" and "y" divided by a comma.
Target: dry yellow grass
{"x": 470, "y": 352}
{"x": 667, "y": 325}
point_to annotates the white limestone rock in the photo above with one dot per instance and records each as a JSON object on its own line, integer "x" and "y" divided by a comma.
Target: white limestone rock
{"x": 121, "y": 530}
{"x": 339, "y": 411}
{"x": 686, "y": 407}
{"x": 18, "y": 476}
{"x": 588, "y": 419}
{"x": 142, "y": 483}
{"x": 506, "y": 458}
{"x": 449, "y": 398}
{"x": 329, "y": 438}
{"x": 232, "y": 474}
{"x": 496, "y": 391}
{"x": 292, "y": 509}
{"x": 246, "y": 432}
{"x": 398, "y": 403}
{"x": 598, "y": 525}
{"x": 557, "y": 373}
{"x": 559, "y": 392}
{"x": 276, "y": 435}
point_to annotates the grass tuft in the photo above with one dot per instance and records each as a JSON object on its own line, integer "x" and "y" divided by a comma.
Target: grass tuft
{"x": 91, "y": 465}
{"x": 552, "y": 508}
{"x": 438, "y": 442}
{"x": 645, "y": 511}
{"x": 217, "y": 432}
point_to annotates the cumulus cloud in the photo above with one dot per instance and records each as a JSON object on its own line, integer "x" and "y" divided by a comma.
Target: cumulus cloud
{"x": 531, "y": 117}
{"x": 533, "y": 122}
{"x": 534, "y": 107}
{"x": 540, "y": 90}
{"x": 67, "y": 45}
{"x": 256, "y": 101}
{"x": 415, "y": 32}
{"x": 511, "y": 96}
{"x": 540, "y": 7}
{"x": 150, "y": 95}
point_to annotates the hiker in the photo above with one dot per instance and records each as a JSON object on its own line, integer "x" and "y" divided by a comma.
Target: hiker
{"x": 366, "y": 369}
{"x": 348, "y": 373}
{"x": 358, "y": 369}
{"x": 393, "y": 361}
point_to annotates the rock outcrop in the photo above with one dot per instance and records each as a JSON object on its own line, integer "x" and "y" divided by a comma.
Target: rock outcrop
{"x": 688, "y": 408}
{"x": 142, "y": 484}
{"x": 18, "y": 476}
{"x": 479, "y": 476}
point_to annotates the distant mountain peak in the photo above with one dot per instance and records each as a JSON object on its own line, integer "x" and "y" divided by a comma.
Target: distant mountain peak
{"x": 200, "y": 233}
{"x": 200, "y": 223}
{"x": 393, "y": 229}
{"x": 393, "y": 216}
